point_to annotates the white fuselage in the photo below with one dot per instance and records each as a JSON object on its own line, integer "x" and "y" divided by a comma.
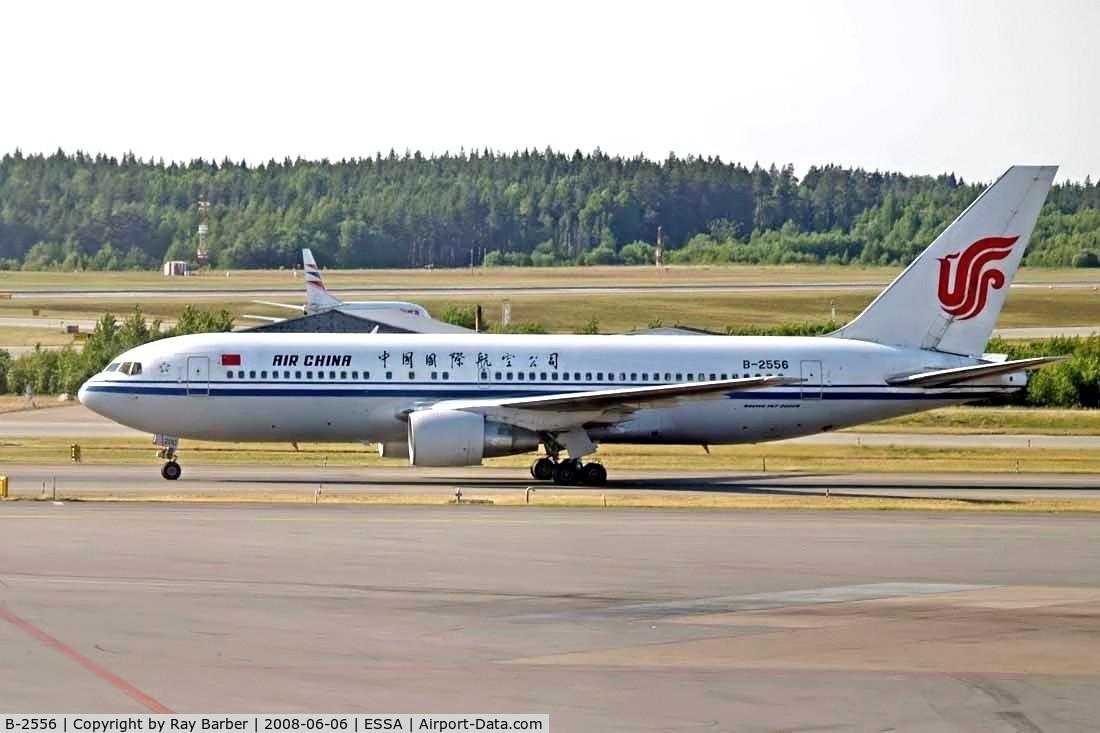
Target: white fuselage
{"x": 354, "y": 387}
{"x": 401, "y": 306}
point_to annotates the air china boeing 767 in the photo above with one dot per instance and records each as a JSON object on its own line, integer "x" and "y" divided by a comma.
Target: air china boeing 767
{"x": 453, "y": 400}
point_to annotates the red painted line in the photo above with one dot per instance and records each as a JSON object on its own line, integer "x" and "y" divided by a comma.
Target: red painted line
{"x": 79, "y": 658}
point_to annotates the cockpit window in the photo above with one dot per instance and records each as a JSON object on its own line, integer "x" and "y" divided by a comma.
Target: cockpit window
{"x": 131, "y": 367}
{"x": 111, "y": 367}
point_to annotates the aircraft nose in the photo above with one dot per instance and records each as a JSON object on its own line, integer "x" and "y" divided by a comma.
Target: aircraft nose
{"x": 87, "y": 396}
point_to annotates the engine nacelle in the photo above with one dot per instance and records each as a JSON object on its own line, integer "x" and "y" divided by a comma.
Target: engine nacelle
{"x": 457, "y": 438}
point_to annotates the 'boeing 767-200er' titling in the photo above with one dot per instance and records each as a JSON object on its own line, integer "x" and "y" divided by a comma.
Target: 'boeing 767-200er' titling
{"x": 453, "y": 400}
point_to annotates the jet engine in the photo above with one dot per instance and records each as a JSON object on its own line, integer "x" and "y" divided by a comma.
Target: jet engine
{"x": 457, "y": 438}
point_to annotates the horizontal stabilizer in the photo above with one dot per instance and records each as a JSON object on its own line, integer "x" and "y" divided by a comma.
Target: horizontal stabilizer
{"x": 946, "y": 377}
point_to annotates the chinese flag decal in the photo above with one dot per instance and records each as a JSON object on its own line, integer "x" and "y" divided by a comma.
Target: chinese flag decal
{"x": 231, "y": 359}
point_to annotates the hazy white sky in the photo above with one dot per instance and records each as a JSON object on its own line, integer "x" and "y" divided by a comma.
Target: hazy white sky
{"x": 919, "y": 87}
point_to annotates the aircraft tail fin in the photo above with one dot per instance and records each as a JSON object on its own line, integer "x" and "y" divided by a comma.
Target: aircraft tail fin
{"x": 949, "y": 298}
{"x": 317, "y": 296}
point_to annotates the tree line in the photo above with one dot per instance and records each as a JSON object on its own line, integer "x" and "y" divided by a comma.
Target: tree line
{"x": 80, "y": 211}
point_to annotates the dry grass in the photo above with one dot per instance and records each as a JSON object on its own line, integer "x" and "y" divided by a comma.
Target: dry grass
{"x": 18, "y": 403}
{"x": 992, "y": 421}
{"x": 11, "y": 336}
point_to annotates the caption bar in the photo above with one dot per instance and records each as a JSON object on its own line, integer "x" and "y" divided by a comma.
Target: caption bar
{"x": 270, "y": 723}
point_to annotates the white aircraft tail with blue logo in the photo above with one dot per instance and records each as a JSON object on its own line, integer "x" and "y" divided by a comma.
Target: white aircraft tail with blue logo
{"x": 949, "y": 298}
{"x": 317, "y": 296}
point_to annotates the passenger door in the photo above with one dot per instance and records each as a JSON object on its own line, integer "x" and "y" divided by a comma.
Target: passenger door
{"x": 811, "y": 380}
{"x": 198, "y": 376}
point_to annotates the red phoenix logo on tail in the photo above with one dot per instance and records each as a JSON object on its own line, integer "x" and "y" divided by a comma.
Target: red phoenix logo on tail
{"x": 965, "y": 289}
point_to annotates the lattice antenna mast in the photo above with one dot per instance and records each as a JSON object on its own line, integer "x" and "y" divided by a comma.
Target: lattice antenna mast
{"x": 204, "y": 229}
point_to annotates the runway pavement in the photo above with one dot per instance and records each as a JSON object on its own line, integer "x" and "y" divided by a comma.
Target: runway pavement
{"x": 90, "y": 481}
{"x": 76, "y": 421}
{"x": 500, "y": 290}
{"x": 607, "y": 620}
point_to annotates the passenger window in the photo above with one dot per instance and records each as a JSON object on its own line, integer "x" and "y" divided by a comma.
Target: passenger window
{"x": 712, "y": 377}
{"x": 542, "y": 376}
{"x": 484, "y": 376}
{"x": 229, "y": 374}
{"x": 252, "y": 374}
{"x": 297, "y": 375}
{"x": 309, "y": 375}
{"x": 366, "y": 375}
{"x": 668, "y": 376}
{"x": 622, "y": 376}
{"x": 519, "y": 376}
{"x": 633, "y": 376}
{"x": 599, "y": 376}
{"x": 435, "y": 375}
{"x": 723, "y": 376}
{"x": 588, "y": 376}
{"x": 611, "y": 376}
{"x": 355, "y": 376}
{"x": 412, "y": 375}
{"x": 553, "y": 376}
{"x": 576, "y": 376}
{"x": 263, "y": 374}
{"x": 645, "y": 377}
{"x": 286, "y": 374}
{"x": 508, "y": 376}
{"x": 343, "y": 375}
{"x": 497, "y": 376}
{"x": 332, "y": 375}
{"x": 447, "y": 376}
{"x": 679, "y": 377}
{"x": 389, "y": 375}
{"x": 531, "y": 376}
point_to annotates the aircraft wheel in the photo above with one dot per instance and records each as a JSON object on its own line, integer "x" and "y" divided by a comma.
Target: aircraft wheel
{"x": 566, "y": 473}
{"x": 171, "y": 470}
{"x": 594, "y": 474}
{"x": 542, "y": 469}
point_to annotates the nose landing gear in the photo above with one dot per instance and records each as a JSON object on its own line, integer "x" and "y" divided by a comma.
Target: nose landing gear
{"x": 171, "y": 469}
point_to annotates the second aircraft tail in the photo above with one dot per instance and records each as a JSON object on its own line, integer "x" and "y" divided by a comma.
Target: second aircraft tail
{"x": 317, "y": 296}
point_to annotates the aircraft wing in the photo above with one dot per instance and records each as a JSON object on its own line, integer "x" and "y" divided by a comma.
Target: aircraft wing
{"x": 298, "y": 308}
{"x": 574, "y": 409}
{"x": 948, "y": 377}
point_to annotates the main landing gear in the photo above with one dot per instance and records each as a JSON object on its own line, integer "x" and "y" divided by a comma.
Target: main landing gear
{"x": 171, "y": 469}
{"x": 568, "y": 472}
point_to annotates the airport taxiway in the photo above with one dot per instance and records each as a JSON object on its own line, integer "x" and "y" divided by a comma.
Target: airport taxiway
{"x": 383, "y": 292}
{"x": 606, "y": 620}
{"x": 88, "y": 481}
